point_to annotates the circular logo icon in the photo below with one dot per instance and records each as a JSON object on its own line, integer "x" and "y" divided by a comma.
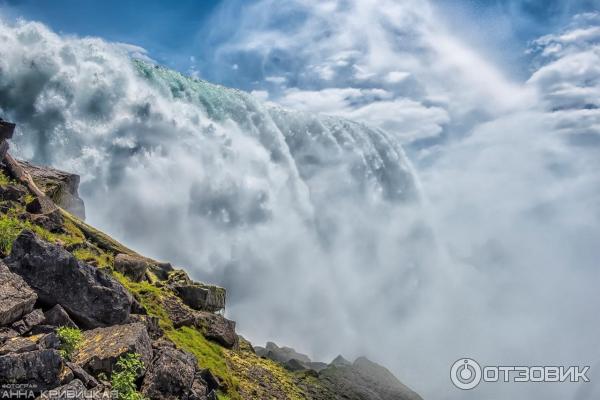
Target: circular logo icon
{"x": 465, "y": 374}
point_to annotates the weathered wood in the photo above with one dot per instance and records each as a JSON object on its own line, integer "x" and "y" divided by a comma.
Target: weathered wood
{"x": 21, "y": 175}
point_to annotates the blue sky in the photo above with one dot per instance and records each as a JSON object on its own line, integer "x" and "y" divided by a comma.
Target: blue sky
{"x": 173, "y": 32}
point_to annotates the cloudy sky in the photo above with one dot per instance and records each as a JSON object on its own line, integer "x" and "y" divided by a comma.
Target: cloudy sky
{"x": 496, "y": 104}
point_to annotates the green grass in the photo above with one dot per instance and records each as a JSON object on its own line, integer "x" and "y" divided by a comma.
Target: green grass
{"x": 4, "y": 179}
{"x": 127, "y": 369}
{"x": 209, "y": 355}
{"x": 10, "y": 228}
{"x": 102, "y": 259}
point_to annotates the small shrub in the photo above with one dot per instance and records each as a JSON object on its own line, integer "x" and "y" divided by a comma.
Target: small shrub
{"x": 70, "y": 340}
{"x": 123, "y": 378}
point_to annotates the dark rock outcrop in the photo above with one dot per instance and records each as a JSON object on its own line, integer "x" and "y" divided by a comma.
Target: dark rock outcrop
{"x": 34, "y": 318}
{"x": 61, "y": 187}
{"x": 57, "y": 316}
{"x": 364, "y": 380}
{"x": 198, "y": 296}
{"x": 280, "y": 354}
{"x": 16, "y": 297}
{"x": 217, "y": 328}
{"x": 171, "y": 375}
{"x": 41, "y": 369}
{"x": 132, "y": 267}
{"x": 79, "y": 373}
{"x": 88, "y": 294}
{"x": 102, "y": 347}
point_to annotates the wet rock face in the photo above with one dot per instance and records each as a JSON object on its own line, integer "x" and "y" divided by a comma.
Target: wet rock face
{"x": 16, "y": 297}
{"x": 171, "y": 375}
{"x": 62, "y": 187}
{"x": 40, "y": 368}
{"x": 89, "y": 295}
{"x": 102, "y": 347}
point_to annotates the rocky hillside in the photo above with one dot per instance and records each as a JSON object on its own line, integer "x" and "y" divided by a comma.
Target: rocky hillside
{"x": 80, "y": 311}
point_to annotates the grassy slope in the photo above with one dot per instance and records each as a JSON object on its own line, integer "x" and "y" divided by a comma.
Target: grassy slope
{"x": 245, "y": 375}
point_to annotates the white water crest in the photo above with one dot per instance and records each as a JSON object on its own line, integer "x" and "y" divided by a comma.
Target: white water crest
{"x": 323, "y": 233}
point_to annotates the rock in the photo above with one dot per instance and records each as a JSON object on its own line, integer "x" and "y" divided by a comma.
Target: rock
{"x": 52, "y": 221}
{"x": 7, "y": 333}
{"x": 137, "y": 307}
{"x": 102, "y": 347}
{"x": 79, "y": 373}
{"x": 91, "y": 297}
{"x": 216, "y": 327}
{"x": 132, "y": 267}
{"x": 294, "y": 365}
{"x": 41, "y": 368}
{"x": 151, "y": 323}
{"x": 62, "y": 187}
{"x": 171, "y": 375}
{"x": 212, "y": 382}
{"x": 42, "y": 329}
{"x": 198, "y": 296}
{"x": 6, "y": 129}
{"x": 57, "y": 316}
{"x": 317, "y": 366}
{"x": 40, "y": 205}
{"x": 340, "y": 361}
{"x": 178, "y": 312}
{"x": 18, "y": 344}
{"x": 12, "y": 192}
{"x": 280, "y": 354}
{"x": 22, "y": 344}
{"x": 364, "y": 380}
{"x": 36, "y": 317}
{"x": 16, "y": 297}
{"x": 199, "y": 389}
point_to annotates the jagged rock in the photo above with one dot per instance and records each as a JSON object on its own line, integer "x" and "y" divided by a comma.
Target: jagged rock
{"x": 36, "y": 317}
{"x": 16, "y": 297}
{"x": 7, "y": 333}
{"x": 280, "y": 354}
{"x": 178, "y": 312}
{"x": 12, "y": 192}
{"x": 79, "y": 373}
{"x": 171, "y": 375}
{"x": 52, "y": 221}
{"x": 133, "y": 267}
{"x": 61, "y": 187}
{"x": 294, "y": 365}
{"x": 90, "y": 296}
{"x": 216, "y": 327}
{"x": 199, "y": 389}
{"x": 21, "y": 344}
{"x": 317, "y": 366}
{"x": 198, "y": 296}
{"x": 137, "y": 307}
{"x": 18, "y": 344}
{"x": 41, "y": 368}
{"x": 340, "y": 361}
{"x": 41, "y": 205}
{"x": 151, "y": 323}
{"x": 101, "y": 347}
{"x": 364, "y": 380}
{"x": 57, "y": 316}
{"x": 212, "y": 382}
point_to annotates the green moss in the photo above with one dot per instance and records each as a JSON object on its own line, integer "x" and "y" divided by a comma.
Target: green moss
{"x": 209, "y": 355}
{"x": 4, "y": 179}
{"x": 92, "y": 255}
{"x": 10, "y": 228}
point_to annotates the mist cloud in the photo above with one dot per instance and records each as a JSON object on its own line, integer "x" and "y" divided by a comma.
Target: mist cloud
{"x": 325, "y": 235}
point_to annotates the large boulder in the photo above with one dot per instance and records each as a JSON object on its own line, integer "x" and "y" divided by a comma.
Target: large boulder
{"x": 171, "y": 375}
{"x": 90, "y": 296}
{"x": 57, "y": 316}
{"x": 34, "y": 318}
{"x": 41, "y": 368}
{"x": 102, "y": 347}
{"x": 16, "y": 297}
{"x": 62, "y": 187}
{"x": 197, "y": 295}
{"x": 217, "y": 328}
{"x": 131, "y": 266}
